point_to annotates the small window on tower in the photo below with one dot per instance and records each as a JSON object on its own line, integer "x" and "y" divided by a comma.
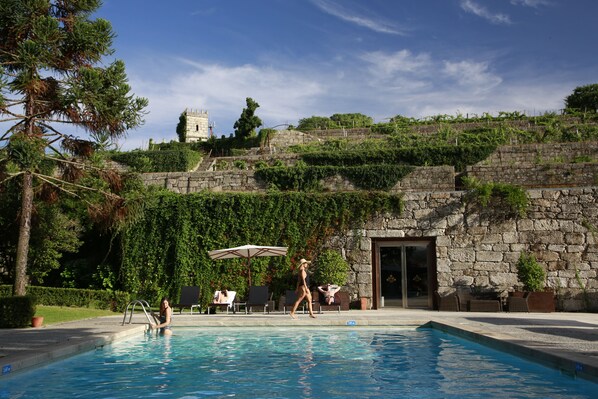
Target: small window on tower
{"x": 197, "y": 128}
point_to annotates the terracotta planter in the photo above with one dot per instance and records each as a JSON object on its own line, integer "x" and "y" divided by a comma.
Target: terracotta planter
{"x": 37, "y": 321}
{"x": 364, "y": 303}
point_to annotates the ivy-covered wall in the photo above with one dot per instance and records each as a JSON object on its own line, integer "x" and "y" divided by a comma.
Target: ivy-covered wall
{"x": 167, "y": 247}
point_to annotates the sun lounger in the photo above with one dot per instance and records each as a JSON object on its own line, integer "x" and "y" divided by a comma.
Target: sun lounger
{"x": 258, "y": 297}
{"x": 341, "y": 302}
{"x": 447, "y": 303}
{"x": 189, "y": 299}
{"x": 290, "y": 299}
{"x": 228, "y": 305}
{"x": 518, "y": 304}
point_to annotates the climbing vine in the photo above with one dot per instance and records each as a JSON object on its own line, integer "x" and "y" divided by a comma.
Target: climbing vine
{"x": 308, "y": 178}
{"x": 168, "y": 247}
{"x": 501, "y": 199}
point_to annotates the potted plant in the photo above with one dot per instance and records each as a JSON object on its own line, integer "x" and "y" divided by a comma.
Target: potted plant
{"x": 533, "y": 277}
{"x": 331, "y": 268}
{"x": 37, "y": 321}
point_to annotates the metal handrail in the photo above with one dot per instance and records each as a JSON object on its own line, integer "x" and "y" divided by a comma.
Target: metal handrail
{"x": 132, "y": 305}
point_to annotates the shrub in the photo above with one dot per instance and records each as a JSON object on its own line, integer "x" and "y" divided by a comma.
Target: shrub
{"x": 530, "y": 272}
{"x": 331, "y": 268}
{"x": 113, "y": 300}
{"x": 504, "y": 198}
{"x": 240, "y": 164}
{"x": 16, "y": 311}
{"x": 171, "y": 160}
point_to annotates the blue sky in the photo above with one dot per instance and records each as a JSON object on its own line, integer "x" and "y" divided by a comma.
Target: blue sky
{"x": 299, "y": 58}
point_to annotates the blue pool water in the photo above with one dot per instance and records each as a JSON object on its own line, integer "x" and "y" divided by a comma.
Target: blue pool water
{"x": 295, "y": 363}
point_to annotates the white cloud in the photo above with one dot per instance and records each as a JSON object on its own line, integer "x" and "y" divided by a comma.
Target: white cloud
{"x": 379, "y": 84}
{"x": 339, "y": 12}
{"x": 474, "y": 75}
{"x": 532, "y": 3}
{"x": 221, "y": 90}
{"x": 400, "y": 61}
{"x": 482, "y": 12}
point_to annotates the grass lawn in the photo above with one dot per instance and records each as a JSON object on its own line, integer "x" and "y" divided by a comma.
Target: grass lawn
{"x": 60, "y": 314}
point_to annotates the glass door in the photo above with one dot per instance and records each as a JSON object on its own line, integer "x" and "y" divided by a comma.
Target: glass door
{"x": 404, "y": 274}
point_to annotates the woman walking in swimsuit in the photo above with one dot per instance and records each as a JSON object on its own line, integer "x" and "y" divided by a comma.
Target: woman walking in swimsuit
{"x": 303, "y": 289}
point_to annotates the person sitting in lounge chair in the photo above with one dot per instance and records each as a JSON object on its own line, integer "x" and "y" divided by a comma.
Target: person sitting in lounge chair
{"x": 221, "y": 296}
{"x": 329, "y": 290}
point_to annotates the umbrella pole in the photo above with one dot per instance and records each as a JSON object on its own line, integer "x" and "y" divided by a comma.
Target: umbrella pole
{"x": 249, "y": 270}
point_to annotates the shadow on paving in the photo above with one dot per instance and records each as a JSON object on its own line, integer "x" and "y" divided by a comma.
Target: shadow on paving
{"x": 564, "y": 332}
{"x": 528, "y": 322}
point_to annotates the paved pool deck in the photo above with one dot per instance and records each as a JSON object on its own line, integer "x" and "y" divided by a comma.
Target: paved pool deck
{"x": 566, "y": 341}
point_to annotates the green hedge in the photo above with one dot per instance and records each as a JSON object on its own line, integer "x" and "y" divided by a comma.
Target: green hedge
{"x": 458, "y": 156}
{"x": 307, "y": 178}
{"x": 84, "y": 298}
{"x": 16, "y": 311}
{"x": 176, "y": 160}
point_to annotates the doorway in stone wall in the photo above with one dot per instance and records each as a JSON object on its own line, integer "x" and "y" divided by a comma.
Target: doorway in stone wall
{"x": 404, "y": 274}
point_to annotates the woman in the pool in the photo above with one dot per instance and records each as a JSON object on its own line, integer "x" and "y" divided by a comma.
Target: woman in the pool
{"x": 303, "y": 290}
{"x": 164, "y": 318}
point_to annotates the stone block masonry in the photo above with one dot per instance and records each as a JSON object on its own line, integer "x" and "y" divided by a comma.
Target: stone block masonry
{"x": 480, "y": 250}
{"x": 440, "y": 178}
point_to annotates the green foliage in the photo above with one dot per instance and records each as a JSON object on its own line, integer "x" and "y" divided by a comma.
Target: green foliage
{"x": 176, "y": 160}
{"x": 503, "y": 198}
{"x": 336, "y": 121}
{"x": 331, "y": 268}
{"x": 181, "y": 127}
{"x": 459, "y": 157}
{"x": 260, "y": 165}
{"x": 307, "y": 178}
{"x": 225, "y": 146}
{"x": 55, "y": 229}
{"x": 530, "y": 273}
{"x": 16, "y": 311}
{"x": 247, "y": 123}
{"x": 352, "y": 120}
{"x": 315, "y": 123}
{"x": 115, "y": 301}
{"x": 27, "y": 152}
{"x": 265, "y": 135}
{"x": 54, "y": 74}
{"x": 168, "y": 247}
{"x": 583, "y": 98}
{"x": 240, "y": 164}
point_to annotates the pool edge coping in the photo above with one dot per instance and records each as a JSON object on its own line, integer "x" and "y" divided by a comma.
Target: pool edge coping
{"x": 564, "y": 361}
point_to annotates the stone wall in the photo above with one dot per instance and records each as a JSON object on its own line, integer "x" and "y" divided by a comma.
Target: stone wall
{"x": 513, "y": 155}
{"x": 285, "y": 138}
{"x": 437, "y": 178}
{"x": 482, "y": 249}
{"x": 194, "y": 182}
{"x": 534, "y": 175}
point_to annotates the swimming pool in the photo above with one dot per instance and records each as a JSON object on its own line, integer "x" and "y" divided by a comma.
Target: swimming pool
{"x": 295, "y": 363}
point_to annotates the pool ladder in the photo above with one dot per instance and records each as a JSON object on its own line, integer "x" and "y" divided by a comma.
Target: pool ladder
{"x": 131, "y": 307}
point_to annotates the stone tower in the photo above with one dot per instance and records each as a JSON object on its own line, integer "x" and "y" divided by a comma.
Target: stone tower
{"x": 197, "y": 128}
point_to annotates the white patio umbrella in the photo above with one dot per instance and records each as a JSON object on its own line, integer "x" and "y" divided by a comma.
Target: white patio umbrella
{"x": 248, "y": 252}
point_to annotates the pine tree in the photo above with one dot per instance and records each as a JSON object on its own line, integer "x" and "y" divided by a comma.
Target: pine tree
{"x": 52, "y": 76}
